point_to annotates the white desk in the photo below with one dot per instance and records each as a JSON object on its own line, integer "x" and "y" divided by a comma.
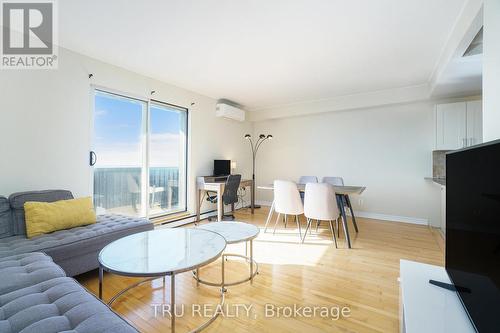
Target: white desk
{"x": 218, "y": 187}
{"x": 428, "y": 308}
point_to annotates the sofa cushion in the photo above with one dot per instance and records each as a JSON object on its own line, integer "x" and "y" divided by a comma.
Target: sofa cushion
{"x": 54, "y": 304}
{"x": 45, "y": 217}
{"x": 26, "y": 269}
{"x": 97, "y": 234}
{"x": 17, "y": 201}
{"x": 5, "y": 218}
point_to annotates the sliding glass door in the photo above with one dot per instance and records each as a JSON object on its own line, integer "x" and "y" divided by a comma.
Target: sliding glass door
{"x": 119, "y": 147}
{"x": 167, "y": 158}
{"x": 140, "y": 156}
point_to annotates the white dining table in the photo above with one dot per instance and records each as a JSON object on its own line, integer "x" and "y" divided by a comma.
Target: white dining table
{"x": 340, "y": 192}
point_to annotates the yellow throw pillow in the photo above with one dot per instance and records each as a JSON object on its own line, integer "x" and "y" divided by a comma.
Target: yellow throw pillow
{"x": 45, "y": 217}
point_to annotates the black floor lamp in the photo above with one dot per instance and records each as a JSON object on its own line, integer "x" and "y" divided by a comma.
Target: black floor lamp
{"x": 255, "y": 147}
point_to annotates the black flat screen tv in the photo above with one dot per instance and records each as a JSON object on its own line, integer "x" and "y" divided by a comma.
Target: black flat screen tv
{"x": 473, "y": 231}
{"x": 222, "y": 167}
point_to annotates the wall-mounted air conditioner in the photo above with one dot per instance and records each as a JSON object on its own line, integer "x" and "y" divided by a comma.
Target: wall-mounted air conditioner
{"x": 228, "y": 111}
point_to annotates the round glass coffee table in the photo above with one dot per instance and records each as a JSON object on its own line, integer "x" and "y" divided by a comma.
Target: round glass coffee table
{"x": 160, "y": 253}
{"x": 233, "y": 232}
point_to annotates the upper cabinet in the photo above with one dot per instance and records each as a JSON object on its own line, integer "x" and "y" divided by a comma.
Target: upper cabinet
{"x": 458, "y": 125}
{"x": 474, "y": 122}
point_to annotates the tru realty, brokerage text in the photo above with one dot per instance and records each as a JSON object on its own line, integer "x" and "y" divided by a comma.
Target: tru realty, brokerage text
{"x": 252, "y": 311}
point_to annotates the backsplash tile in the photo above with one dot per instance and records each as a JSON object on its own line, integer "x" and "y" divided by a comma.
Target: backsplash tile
{"x": 439, "y": 163}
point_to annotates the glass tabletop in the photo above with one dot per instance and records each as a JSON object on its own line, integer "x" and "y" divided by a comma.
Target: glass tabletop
{"x": 233, "y": 232}
{"x": 162, "y": 252}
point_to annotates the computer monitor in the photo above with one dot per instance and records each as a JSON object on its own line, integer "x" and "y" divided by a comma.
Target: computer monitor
{"x": 222, "y": 167}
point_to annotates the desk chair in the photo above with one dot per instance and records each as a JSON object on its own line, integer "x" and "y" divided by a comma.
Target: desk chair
{"x": 229, "y": 196}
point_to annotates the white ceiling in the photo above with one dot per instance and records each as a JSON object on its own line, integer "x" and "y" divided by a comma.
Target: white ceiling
{"x": 262, "y": 53}
{"x": 461, "y": 76}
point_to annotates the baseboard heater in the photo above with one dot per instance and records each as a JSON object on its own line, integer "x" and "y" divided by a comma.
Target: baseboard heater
{"x": 182, "y": 220}
{"x": 192, "y": 218}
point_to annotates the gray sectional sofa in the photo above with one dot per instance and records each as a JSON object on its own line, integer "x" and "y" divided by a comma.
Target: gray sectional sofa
{"x": 36, "y": 294}
{"x": 37, "y": 297}
{"x": 75, "y": 250}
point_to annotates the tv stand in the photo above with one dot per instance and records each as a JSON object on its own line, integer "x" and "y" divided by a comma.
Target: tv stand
{"x": 449, "y": 286}
{"x": 425, "y": 308}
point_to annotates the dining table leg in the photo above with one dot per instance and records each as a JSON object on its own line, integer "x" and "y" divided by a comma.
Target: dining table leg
{"x": 344, "y": 220}
{"x": 348, "y": 201}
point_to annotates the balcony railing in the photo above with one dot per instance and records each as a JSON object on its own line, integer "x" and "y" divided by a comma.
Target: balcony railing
{"x": 119, "y": 190}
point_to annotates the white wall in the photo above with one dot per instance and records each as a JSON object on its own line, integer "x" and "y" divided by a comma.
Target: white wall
{"x": 491, "y": 70}
{"x": 45, "y": 125}
{"x": 387, "y": 149}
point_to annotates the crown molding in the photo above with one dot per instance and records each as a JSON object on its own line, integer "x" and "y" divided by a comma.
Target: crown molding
{"x": 341, "y": 103}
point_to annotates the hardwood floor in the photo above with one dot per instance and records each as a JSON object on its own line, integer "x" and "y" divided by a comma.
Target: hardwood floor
{"x": 315, "y": 273}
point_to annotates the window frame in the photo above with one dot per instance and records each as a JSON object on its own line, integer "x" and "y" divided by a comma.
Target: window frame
{"x": 146, "y": 154}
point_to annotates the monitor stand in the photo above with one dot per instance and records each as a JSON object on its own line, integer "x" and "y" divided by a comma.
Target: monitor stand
{"x": 449, "y": 286}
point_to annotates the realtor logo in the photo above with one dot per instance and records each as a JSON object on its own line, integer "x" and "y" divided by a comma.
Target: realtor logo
{"x": 28, "y": 35}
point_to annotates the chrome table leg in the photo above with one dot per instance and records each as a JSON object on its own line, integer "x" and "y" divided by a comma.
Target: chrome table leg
{"x": 251, "y": 260}
{"x": 223, "y": 289}
{"x": 101, "y": 275}
{"x": 172, "y": 303}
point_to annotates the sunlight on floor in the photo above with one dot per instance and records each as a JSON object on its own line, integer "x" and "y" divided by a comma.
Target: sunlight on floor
{"x": 281, "y": 248}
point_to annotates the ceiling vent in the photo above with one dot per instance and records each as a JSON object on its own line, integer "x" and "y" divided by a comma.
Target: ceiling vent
{"x": 476, "y": 46}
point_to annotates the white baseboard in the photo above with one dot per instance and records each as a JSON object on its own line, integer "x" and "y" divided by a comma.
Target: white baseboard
{"x": 375, "y": 216}
{"x": 263, "y": 203}
{"x": 368, "y": 215}
{"x": 392, "y": 218}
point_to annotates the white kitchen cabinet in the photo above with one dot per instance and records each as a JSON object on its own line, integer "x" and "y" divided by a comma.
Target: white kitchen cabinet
{"x": 474, "y": 122}
{"x": 458, "y": 125}
{"x": 451, "y": 125}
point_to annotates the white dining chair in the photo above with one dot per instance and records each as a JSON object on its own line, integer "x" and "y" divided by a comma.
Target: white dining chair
{"x": 338, "y": 181}
{"x": 308, "y": 179}
{"x": 304, "y": 180}
{"x": 287, "y": 201}
{"x": 320, "y": 204}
